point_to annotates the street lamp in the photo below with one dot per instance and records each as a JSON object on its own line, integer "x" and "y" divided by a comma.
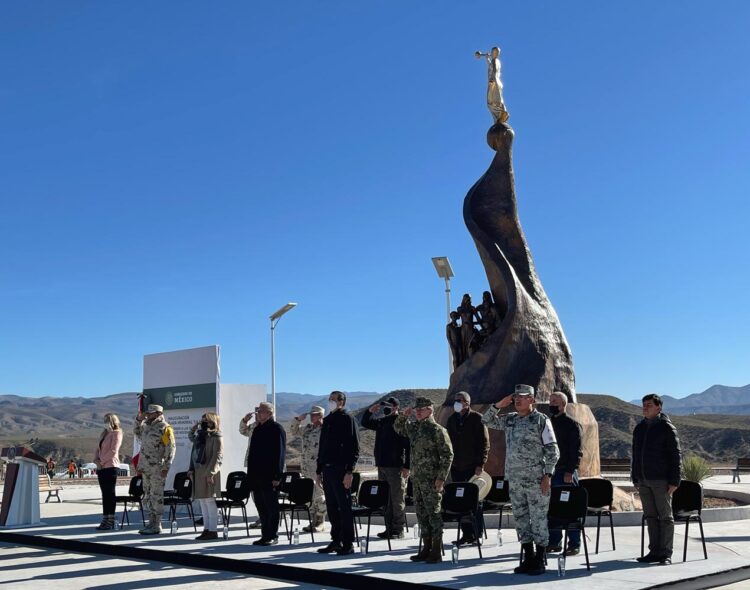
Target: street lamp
{"x": 275, "y": 317}
{"x": 444, "y": 270}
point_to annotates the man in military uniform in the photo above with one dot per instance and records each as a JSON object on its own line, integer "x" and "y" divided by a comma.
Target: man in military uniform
{"x": 310, "y": 434}
{"x": 431, "y": 458}
{"x": 157, "y": 454}
{"x": 530, "y": 456}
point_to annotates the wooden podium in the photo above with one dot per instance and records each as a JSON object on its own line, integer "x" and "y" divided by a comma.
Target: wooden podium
{"x": 21, "y": 491}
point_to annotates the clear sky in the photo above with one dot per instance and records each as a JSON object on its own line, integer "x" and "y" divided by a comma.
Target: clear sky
{"x": 173, "y": 172}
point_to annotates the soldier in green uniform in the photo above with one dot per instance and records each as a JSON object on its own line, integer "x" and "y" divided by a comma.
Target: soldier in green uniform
{"x": 431, "y": 458}
{"x": 530, "y": 456}
{"x": 310, "y": 434}
{"x": 157, "y": 454}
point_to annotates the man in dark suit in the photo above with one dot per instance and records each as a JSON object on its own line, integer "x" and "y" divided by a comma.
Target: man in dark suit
{"x": 265, "y": 465}
{"x": 337, "y": 456}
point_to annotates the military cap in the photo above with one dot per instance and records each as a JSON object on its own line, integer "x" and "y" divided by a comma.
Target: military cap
{"x": 154, "y": 408}
{"x": 423, "y": 402}
{"x": 524, "y": 390}
{"x": 317, "y": 410}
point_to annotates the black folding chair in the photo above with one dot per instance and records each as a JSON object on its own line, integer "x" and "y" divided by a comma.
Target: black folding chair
{"x": 687, "y": 504}
{"x": 183, "y": 496}
{"x": 287, "y": 478}
{"x": 408, "y": 499}
{"x": 497, "y": 500}
{"x": 372, "y": 500}
{"x": 235, "y": 496}
{"x": 135, "y": 496}
{"x": 460, "y": 504}
{"x": 601, "y": 496}
{"x": 300, "y": 497}
{"x": 568, "y": 508}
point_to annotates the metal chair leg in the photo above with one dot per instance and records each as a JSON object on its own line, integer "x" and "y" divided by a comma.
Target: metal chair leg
{"x": 703, "y": 538}
{"x": 684, "y": 551}
{"x": 598, "y": 524}
{"x": 612, "y": 528}
{"x": 585, "y": 548}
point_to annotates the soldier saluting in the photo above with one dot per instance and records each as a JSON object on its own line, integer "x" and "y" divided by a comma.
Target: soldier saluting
{"x": 431, "y": 458}
{"x": 530, "y": 456}
{"x": 157, "y": 454}
{"x": 310, "y": 434}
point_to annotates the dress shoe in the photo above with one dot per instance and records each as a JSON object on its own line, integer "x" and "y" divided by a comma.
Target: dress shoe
{"x": 208, "y": 536}
{"x": 573, "y": 551}
{"x": 269, "y": 542}
{"x": 554, "y": 549}
{"x": 385, "y": 535}
{"x": 467, "y": 540}
{"x": 255, "y": 525}
{"x": 648, "y": 558}
{"x": 665, "y": 561}
{"x": 345, "y": 550}
{"x": 330, "y": 548}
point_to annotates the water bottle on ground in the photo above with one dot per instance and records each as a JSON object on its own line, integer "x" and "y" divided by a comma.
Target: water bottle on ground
{"x": 173, "y": 527}
{"x": 295, "y": 536}
{"x": 454, "y": 554}
{"x": 415, "y": 530}
{"x": 116, "y": 525}
{"x": 499, "y": 538}
{"x": 225, "y": 532}
{"x": 561, "y": 565}
{"x": 363, "y": 546}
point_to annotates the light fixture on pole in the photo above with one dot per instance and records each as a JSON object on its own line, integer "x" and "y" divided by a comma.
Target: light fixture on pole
{"x": 444, "y": 270}
{"x": 275, "y": 317}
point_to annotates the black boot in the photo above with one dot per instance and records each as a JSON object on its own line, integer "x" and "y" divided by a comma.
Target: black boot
{"x": 527, "y": 560}
{"x": 425, "y": 551}
{"x": 537, "y": 565}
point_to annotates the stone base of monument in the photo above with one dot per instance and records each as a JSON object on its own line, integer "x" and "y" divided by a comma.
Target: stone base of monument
{"x": 581, "y": 413}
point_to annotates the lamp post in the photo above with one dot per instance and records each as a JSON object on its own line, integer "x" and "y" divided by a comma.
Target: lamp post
{"x": 275, "y": 317}
{"x": 444, "y": 270}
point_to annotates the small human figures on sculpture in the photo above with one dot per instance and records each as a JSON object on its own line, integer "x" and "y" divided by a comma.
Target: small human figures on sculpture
{"x": 489, "y": 319}
{"x": 453, "y": 333}
{"x": 475, "y": 327}
{"x": 495, "y": 102}
{"x": 468, "y": 314}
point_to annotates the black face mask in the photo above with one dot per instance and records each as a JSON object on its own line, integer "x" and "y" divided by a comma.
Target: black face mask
{"x": 387, "y": 411}
{"x": 204, "y": 425}
{"x": 554, "y": 410}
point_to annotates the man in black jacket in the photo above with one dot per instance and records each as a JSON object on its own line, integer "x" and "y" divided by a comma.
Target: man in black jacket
{"x": 337, "y": 457}
{"x": 392, "y": 459}
{"x": 265, "y": 464}
{"x": 569, "y": 436}
{"x": 471, "y": 445}
{"x": 656, "y": 472}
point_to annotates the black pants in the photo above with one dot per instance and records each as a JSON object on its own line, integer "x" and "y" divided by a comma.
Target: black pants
{"x": 339, "y": 505}
{"x": 458, "y": 475}
{"x": 266, "y": 500}
{"x": 107, "y": 482}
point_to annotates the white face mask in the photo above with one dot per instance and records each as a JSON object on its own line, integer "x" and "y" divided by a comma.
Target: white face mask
{"x": 458, "y": 407}
{"x": 332, "y": 405}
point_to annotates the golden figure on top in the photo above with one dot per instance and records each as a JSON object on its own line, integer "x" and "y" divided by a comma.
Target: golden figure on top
{"x": 494, "y": 85}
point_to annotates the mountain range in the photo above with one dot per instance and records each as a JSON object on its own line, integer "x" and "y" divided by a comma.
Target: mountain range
{"x": 717, "y": 399}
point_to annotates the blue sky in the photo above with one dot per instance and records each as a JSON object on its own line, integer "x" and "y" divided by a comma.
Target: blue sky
{"x": 174, "y": 172}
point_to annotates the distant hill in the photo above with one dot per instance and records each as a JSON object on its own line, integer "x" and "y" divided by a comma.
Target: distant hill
{"x": 714, "y": 437}
{"x": 717, "y": 399}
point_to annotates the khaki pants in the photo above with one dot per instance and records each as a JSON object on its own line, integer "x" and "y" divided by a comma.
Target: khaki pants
{"x": 395, "y": 514}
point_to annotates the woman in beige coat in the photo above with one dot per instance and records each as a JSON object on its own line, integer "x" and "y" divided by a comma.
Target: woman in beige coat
{"x": 205, "y": 462}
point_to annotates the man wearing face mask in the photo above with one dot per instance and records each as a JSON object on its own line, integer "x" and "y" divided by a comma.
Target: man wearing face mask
{"x": 471, "y": 445}
{"x": 310, "y": 434}
{"x": 569, "y": 435}
{"x": 157, "y": 453}
{"x": 392, "y": 459}
{"x": 337, "y": 457}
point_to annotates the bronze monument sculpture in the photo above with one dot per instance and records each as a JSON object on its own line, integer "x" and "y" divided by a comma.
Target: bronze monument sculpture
{"x": 520, "y": 339}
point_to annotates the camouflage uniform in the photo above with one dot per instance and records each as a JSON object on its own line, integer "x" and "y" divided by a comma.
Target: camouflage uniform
{"x": 308, "y": 465}
{"x": 431, "y": 458}
{"x": 247, "y": 430}
{"x": 157, "y": 454}
{"x": 530, "y": 452}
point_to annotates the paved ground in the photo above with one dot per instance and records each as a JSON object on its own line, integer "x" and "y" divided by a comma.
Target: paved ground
{"x": 26, "y": 567}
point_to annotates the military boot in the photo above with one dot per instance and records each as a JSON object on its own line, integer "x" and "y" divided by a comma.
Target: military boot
{"x": 527, "y": 559}
{"x": 436, "y": 551}
{"x": 537, "y": 565}
{"x": 424, "y": 551}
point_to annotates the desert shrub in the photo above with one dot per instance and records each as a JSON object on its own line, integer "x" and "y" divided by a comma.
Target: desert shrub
{"x": 695, "y": 469}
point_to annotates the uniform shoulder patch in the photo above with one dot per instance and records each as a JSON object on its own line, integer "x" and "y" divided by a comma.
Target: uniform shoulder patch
{"x": 548, "y": 433}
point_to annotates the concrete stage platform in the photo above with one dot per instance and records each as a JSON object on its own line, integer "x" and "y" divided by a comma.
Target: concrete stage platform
{"x": 177, "y": 562}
